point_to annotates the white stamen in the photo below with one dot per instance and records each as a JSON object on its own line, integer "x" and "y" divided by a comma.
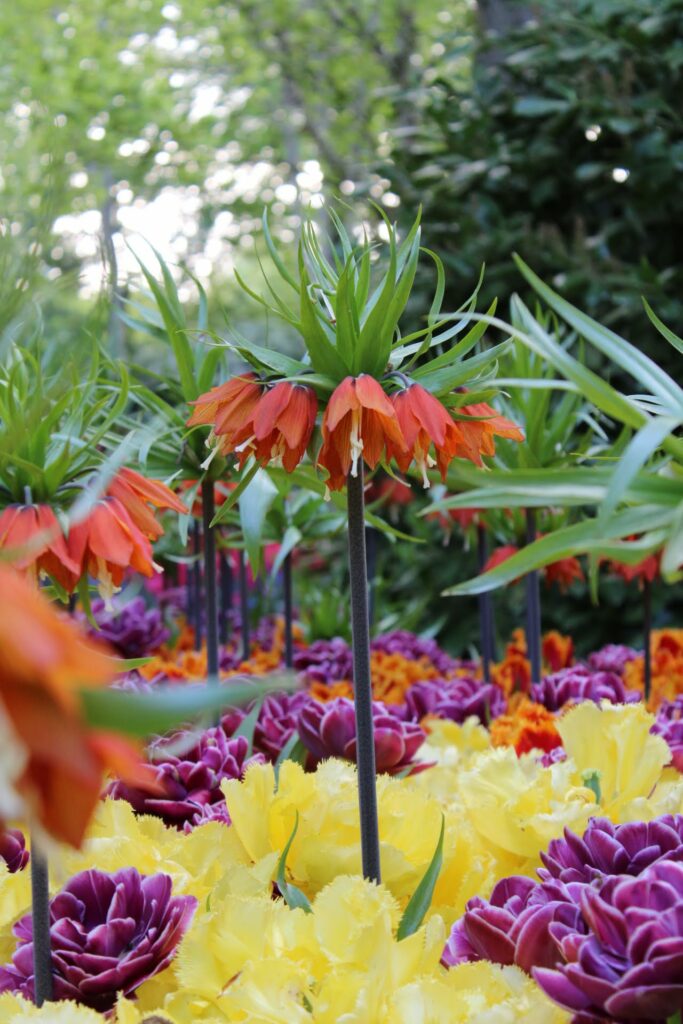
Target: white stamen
{"x": 105, "y": 585}
{"x": 356, "y": 441}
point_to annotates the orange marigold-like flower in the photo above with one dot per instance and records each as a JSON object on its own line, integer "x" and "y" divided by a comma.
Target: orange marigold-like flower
{"x": 33, "y": 539}
{"x": 424, "y": 422}
{"x": 107, "y": 543}
{"x": 359, "y": 422}
{"x": 557, "y": 650}
{"x": 666, "y": 655}
{"x": 59, "y": 762}
{"x": 563, "y": 572}
{"x": 530, "y": 727}
{"x": 136, "y": 493}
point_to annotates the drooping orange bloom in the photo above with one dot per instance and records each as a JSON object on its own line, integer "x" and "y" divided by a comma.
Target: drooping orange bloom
{"x": 647, "y": 570}
{"x": 136, "y": 493}
{"x": 563, "y": 572}
{"x": 44, "y": 663}
{"x": 226, "y": 407}
{"x": 359, "y": 422}
{"x": 32, "y": 537}
{"x": 281, "y": 424}
{"x": 478, "y": 434}
{"x": 530, "y": 727}
{"x": 500, "y": 555}
{"x": 424, "y": 422}
{"x": 107, "y": 543}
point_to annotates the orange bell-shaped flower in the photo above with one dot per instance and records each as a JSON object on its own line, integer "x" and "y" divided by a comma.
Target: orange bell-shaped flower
{"x": 359, "y": 422}
{"x": 136, "y": 493}
{"x": 424, "y": 422}
{"x": 32, "y": 537}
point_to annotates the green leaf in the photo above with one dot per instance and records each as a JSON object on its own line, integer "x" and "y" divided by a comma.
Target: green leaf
{"x": 421, "y": 900}
{"x": 254, "y": 505}
{"x": 148, "y": 714}
{"x": 223, "y": 511}
{"x": 672, "y": 338}
{"x": 293, "y": 750}
{"x": 247, "y": 726}
{"x": 638, "y": 451}
{"x": 292, "y": 896}
{"x": 539, "y": 106}
{"x": 128, "y": 664}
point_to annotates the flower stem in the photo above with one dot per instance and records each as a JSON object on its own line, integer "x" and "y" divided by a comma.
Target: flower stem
{"x": 287, "y": 595}
{"x": 647, "y": 637}
{"x": 40, "y": 919}
{"x": 371, "y": 558}
{"x": 244, "y": 606}
{"x": 210, "y": 587}
{"x": 362, "y": 684}
{"x": 486, "y": 620}
{"x": 226, "y": 589}
{"x": 533, "y": 605}
{"x": 195, "y": 584}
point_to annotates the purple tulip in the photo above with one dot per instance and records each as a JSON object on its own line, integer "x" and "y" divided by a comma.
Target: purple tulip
{"x": 325, "y": 661}
{"x": 669, "y": 725}
{"x": 13, "y": 849}
{"x": 190, "y": 778}
{"x": 612, "y": 658}
{"x": 329, "y": 730}
{"x": 628, "y": 964}
{"x": 512, "y": 926}
{"x": 109, "y": 933}
{"x": 134, "y": 630}
{"x": 209, "y": 812}
{"x": 606, "y": 849}
{"x": 554, "y": 756}
{"x": 454, "y": 699}
{"x": 515, "y": 925}
{"x": 578, "y": 683}
{"x": 277, "y": 722}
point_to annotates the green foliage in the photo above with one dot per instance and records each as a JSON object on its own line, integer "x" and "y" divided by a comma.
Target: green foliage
{"x": 528, "y": 156}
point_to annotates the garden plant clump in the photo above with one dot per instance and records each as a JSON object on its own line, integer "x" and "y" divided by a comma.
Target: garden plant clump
{"x": 341, "y": 649}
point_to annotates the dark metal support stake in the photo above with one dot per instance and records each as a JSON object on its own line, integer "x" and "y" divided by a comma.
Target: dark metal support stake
{"x": 647, "y": 637}
{"x": 244, "y": 607}
{"x": 196, "y": 585}
{"x": 226, "y": 589}
{"x": 362, "y": 683}
{"x": 486, "y": 620}
{"x": 210, "y": 587}
{"x": 287, "y": 595}
{"x": 40, "y": 919}
{"x": 533, "y": 605}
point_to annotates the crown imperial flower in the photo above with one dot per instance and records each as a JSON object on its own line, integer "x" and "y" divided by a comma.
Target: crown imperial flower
{"x": 35, "y": 543}
{"x": 108, "y": 933}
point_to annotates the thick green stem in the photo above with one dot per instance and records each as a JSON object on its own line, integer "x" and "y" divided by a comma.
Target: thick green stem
{"x": 244, "y": 607}
{"x": 362, "y": 683}
{"x": 40, "y": 919}
{"x": 210, "y": 587}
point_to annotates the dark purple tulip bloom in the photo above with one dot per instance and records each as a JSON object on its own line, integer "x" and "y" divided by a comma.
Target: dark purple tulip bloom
{"x": 190, "y": 778}
{"x": 629, "y": 964}
{"x": 612, "y": 658}
{"x": 209, "y": 812}
{"x": 669, "y": 725}
{"x": 579, "y": 683}
{"x": 109, "y": 933}
{"x": 402, "y": 641}
{"x": 325, "y": 661}
{"x": 277, "y": 722}
{"x": 329, "y": 730}
{"x": 512, "y": 926}
{"x": 134, "y": 630}
{"x": 606, "y": 849}
{"x": 454, "y": 699}
{"x": 13, "y": 849}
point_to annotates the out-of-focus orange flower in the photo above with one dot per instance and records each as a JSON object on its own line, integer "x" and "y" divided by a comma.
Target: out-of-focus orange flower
{"x": 500, "y": 555}
{"x": 512, "y": 673}
{"x": 389, "y": 491}
{"x": 463, "y": 517}
{"x": 107, "y": 543}
{"x": 32, "y": 537}
{"x": 666, "y": 654}
{"x": 226, "y": 407}
{"x": 136, "y": 493}
{"x": 477, "y": 435}
{"x": 359, "y": 422}
{"x": 323, "y": 692}
{"x": 392, "y": 674}
{"x": 44, "y": 662}
{"x": 557, "y": 650}
{"x": 424, "y": 422}
{"x": 648, "y": 570}
{"x": 530, "y": 727}
{"x": 221, "y": 493}
{"x": 563, "y": 572}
